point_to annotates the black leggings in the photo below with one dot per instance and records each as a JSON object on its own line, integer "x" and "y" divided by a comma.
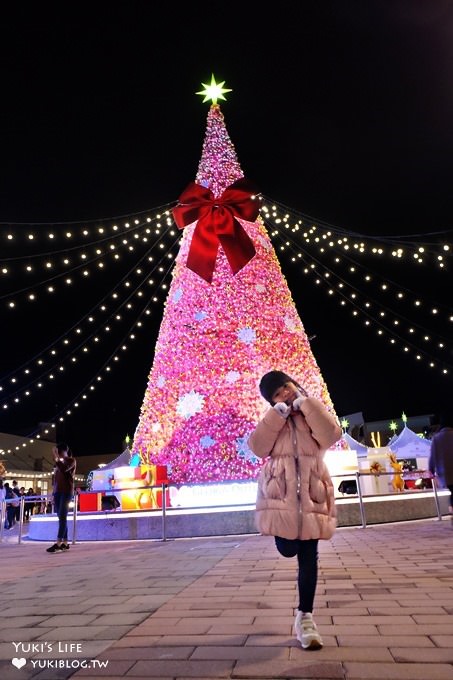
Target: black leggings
{"x": 307, "y": 558}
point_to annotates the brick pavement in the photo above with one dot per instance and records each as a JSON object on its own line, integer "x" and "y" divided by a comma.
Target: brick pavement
{"x": 223, "y": 608}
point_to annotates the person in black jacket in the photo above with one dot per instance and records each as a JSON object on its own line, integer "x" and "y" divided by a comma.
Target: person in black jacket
{"x": 16, "y": 492}
{"x": 12, "y": 502}
{"x": 63, "y": 492}
{"x": 29, "y": 505}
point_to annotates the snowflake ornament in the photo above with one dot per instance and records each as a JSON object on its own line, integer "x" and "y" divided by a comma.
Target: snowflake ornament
{"x": 207, "y": 441}
{"x": 290, "y": 323}
{"x": 264, "y": 243}
{"x": 177, "y": 295}
{"x": 243, "y": 450}
{"x": 246, "y": 335}
{"x": 190, "y": 404}
{"x": 199, "y": 316}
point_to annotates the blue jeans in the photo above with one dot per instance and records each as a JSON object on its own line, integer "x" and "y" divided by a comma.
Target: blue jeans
{"x": 61, "y": 502}
{"x": 307, "y": 558}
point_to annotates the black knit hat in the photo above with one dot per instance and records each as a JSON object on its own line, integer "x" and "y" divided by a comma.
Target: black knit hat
{"x": 270, "y": 382}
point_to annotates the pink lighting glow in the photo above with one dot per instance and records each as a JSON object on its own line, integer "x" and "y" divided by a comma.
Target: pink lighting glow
{"x": 215, "y": 342}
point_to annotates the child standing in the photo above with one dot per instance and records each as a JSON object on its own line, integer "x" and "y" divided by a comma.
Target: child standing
{"x": 295, "y": 502}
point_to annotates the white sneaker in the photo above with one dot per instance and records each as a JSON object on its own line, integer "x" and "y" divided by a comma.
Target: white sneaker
{"x": 306, "y": 631}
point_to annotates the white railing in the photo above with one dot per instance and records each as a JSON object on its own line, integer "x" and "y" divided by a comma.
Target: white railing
{"x": 46, "y": 499}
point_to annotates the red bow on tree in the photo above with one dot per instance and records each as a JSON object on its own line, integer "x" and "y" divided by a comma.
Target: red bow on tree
{"x": 217, "y": 223}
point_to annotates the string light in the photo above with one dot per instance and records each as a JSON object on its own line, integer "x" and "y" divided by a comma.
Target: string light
{"x": 400, "y": 292}
{"x": 98, "y": 259}
{"x": 358, "y": 312}
{"x": 78, "y": 247}
{"x": 90, "y": 387}
{"x": 82, "y": 345}
{"x": 396, "y": 247}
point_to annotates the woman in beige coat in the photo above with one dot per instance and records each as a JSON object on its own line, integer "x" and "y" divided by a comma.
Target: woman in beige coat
{"x": 295, "y": 500}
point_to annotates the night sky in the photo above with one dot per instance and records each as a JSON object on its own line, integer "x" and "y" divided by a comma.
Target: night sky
{"x": 341, "y": 111}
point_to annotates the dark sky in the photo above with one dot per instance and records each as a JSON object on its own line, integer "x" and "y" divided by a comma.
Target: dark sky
{"x": 339, "y": 110}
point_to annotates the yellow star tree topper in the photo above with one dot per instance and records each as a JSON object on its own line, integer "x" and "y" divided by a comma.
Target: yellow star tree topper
{"x": 213, "y": 91}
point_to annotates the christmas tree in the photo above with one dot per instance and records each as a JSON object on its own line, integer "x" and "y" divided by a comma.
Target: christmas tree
{"x": 228, "y": 319}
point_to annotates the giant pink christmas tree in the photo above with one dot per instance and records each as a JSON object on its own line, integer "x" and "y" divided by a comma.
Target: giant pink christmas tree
{"x": 218, "y": 338}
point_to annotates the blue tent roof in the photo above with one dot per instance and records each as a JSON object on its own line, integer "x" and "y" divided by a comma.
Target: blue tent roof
{"x": 353, "y": 444}
{"x": 123, "y": 459}
{"x": 409, "y": 445}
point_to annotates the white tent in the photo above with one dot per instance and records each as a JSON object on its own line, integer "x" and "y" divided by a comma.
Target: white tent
{"x": 361, "y": 449}
{"x": 409, "y": 445}
{"x": 121, "y": 460}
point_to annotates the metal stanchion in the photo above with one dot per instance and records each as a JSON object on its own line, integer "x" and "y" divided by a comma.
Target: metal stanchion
{"x": 44, "y": 500}
{"x": 361, "y": 506}
{"x": 21, "y": 518}
{"x": 164, "y": 509}
{"x": 74, "y": 518}
{"x": 2, "y": 518}
{"x": 436, "y": 498}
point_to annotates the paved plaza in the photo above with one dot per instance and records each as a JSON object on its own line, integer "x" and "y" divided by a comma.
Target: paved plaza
{"x": 222, "y": 607}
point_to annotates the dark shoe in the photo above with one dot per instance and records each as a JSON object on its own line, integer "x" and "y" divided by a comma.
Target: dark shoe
{"x": 64, "y": 546}
{"x": 54, "y": 548}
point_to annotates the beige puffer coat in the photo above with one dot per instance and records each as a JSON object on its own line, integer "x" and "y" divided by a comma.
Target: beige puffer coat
{"x": 295, "y": 491}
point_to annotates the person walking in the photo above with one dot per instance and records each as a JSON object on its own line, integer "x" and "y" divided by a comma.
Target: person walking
{"x": 17, "y": 492}
{"x": 29, "y": 505}
{"x": 441, "y": 454}
{"x": 12, "y": 503}
{"x": 295, "y": 499}
{"x": 63, "y": 492}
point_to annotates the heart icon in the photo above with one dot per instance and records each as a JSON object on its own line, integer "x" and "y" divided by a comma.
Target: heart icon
{"x": 18, "y": 662}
